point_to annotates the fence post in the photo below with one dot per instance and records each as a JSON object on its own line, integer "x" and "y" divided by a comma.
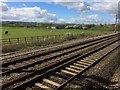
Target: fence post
{"x": 43, "y": 37}
{"x": 9, "y": 41}
{"x": 18, "y": 40}
{"x": 25, "y": 40}
{"x": 38, "y": 38}
{"x": 47, "y": 36}
{"x": 31, "y": 38}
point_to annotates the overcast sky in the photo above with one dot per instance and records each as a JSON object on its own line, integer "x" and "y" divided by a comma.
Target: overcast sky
{"x": 60, "y": 11}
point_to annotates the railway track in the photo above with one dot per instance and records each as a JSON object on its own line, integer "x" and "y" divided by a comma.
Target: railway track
{"x": 30, "y": 54}
{"x": 56, "y": 79}
{"x": 33, "y": 61}
{"x": 56, "y": 59}
{"x": 11, "y": 60}
{"x": 25, "y": 63}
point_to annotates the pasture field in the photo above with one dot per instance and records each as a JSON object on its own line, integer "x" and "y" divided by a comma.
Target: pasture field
{"x": 29, "y": 44}
{"x": 14, "y": 32}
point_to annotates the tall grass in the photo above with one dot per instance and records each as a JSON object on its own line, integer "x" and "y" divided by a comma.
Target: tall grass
{"x": 41, "y": 43}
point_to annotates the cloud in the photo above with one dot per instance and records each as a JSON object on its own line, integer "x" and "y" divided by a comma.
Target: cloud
{"x": 83, "y": 19}
{"x": 34, "y": 14}
{"x": 81, "y": 6}
{"x": 94, "y": 18}
{"x": 86, "y": 5}
{"x": 108, "y": 7}
{"x": 3, "y": 6}
{"x": 3, "y": 0}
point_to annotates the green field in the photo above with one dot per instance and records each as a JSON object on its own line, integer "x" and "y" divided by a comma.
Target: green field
{"x": 14, "y": 32}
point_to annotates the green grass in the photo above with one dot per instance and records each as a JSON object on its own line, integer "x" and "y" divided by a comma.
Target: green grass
{"x": 14, "y": 32}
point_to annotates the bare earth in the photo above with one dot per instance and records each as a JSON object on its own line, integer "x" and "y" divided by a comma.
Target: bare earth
{"x": 116, "y": 77}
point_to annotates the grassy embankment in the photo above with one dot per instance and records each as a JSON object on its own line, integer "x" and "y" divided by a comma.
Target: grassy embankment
{"x": 15, "y": 32}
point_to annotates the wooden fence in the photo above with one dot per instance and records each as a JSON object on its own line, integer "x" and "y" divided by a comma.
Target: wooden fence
{"x": 30, "y": 39}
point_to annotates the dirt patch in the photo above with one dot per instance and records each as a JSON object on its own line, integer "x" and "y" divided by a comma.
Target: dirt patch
{"x": 116, "y": 78}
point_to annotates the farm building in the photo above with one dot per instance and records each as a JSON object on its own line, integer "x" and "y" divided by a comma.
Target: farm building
{"x": 60, "y": 26}
{"x": 48, "y": 27}
{"x": 87, "y": 26}
{"x": 53, "y": 27}
{"x": 76, "y": 26}
{"x": 56, "y": 27}
{"x": 69, "y": 27}
{"x": 84, "y": 27}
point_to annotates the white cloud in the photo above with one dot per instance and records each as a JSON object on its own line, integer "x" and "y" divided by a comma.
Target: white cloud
{"x": 3, "y": 6}
{"x": 86, "y": 19}
{"x": 3, "y": 0}
{"x": 109, "y": 7}
{"x": 34, "y": 14}
{"x": 37, "y": 14}
{"x": 83, "y": 5}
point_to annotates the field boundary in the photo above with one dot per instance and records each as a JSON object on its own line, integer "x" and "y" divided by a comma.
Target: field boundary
{"x": 27, "y": 40}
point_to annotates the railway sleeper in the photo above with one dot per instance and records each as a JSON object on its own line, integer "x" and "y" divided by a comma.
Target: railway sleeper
{"x": 71, "y": 69}
{"x": 57, "y": 79}
{"x": 48, "y": 84}
{"x": 83, "y": 63}
{"x": 68, "y": 72}
{"x": 80, "y": 65}
{"x": 75, "y": 67}
{"x": 43, "y": 86}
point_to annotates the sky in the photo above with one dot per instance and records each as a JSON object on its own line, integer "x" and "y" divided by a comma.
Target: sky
{"x": 60, "y": 11}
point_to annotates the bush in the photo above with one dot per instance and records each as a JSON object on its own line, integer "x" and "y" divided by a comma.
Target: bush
{"x": 12, "y": 48}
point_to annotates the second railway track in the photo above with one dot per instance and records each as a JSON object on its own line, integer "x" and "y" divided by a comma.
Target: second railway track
{"x": 53, "y": 60}
{"x": 17, "y": 63}
{"x": 28, "y": 63}
{"x": 36, "y": 53}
